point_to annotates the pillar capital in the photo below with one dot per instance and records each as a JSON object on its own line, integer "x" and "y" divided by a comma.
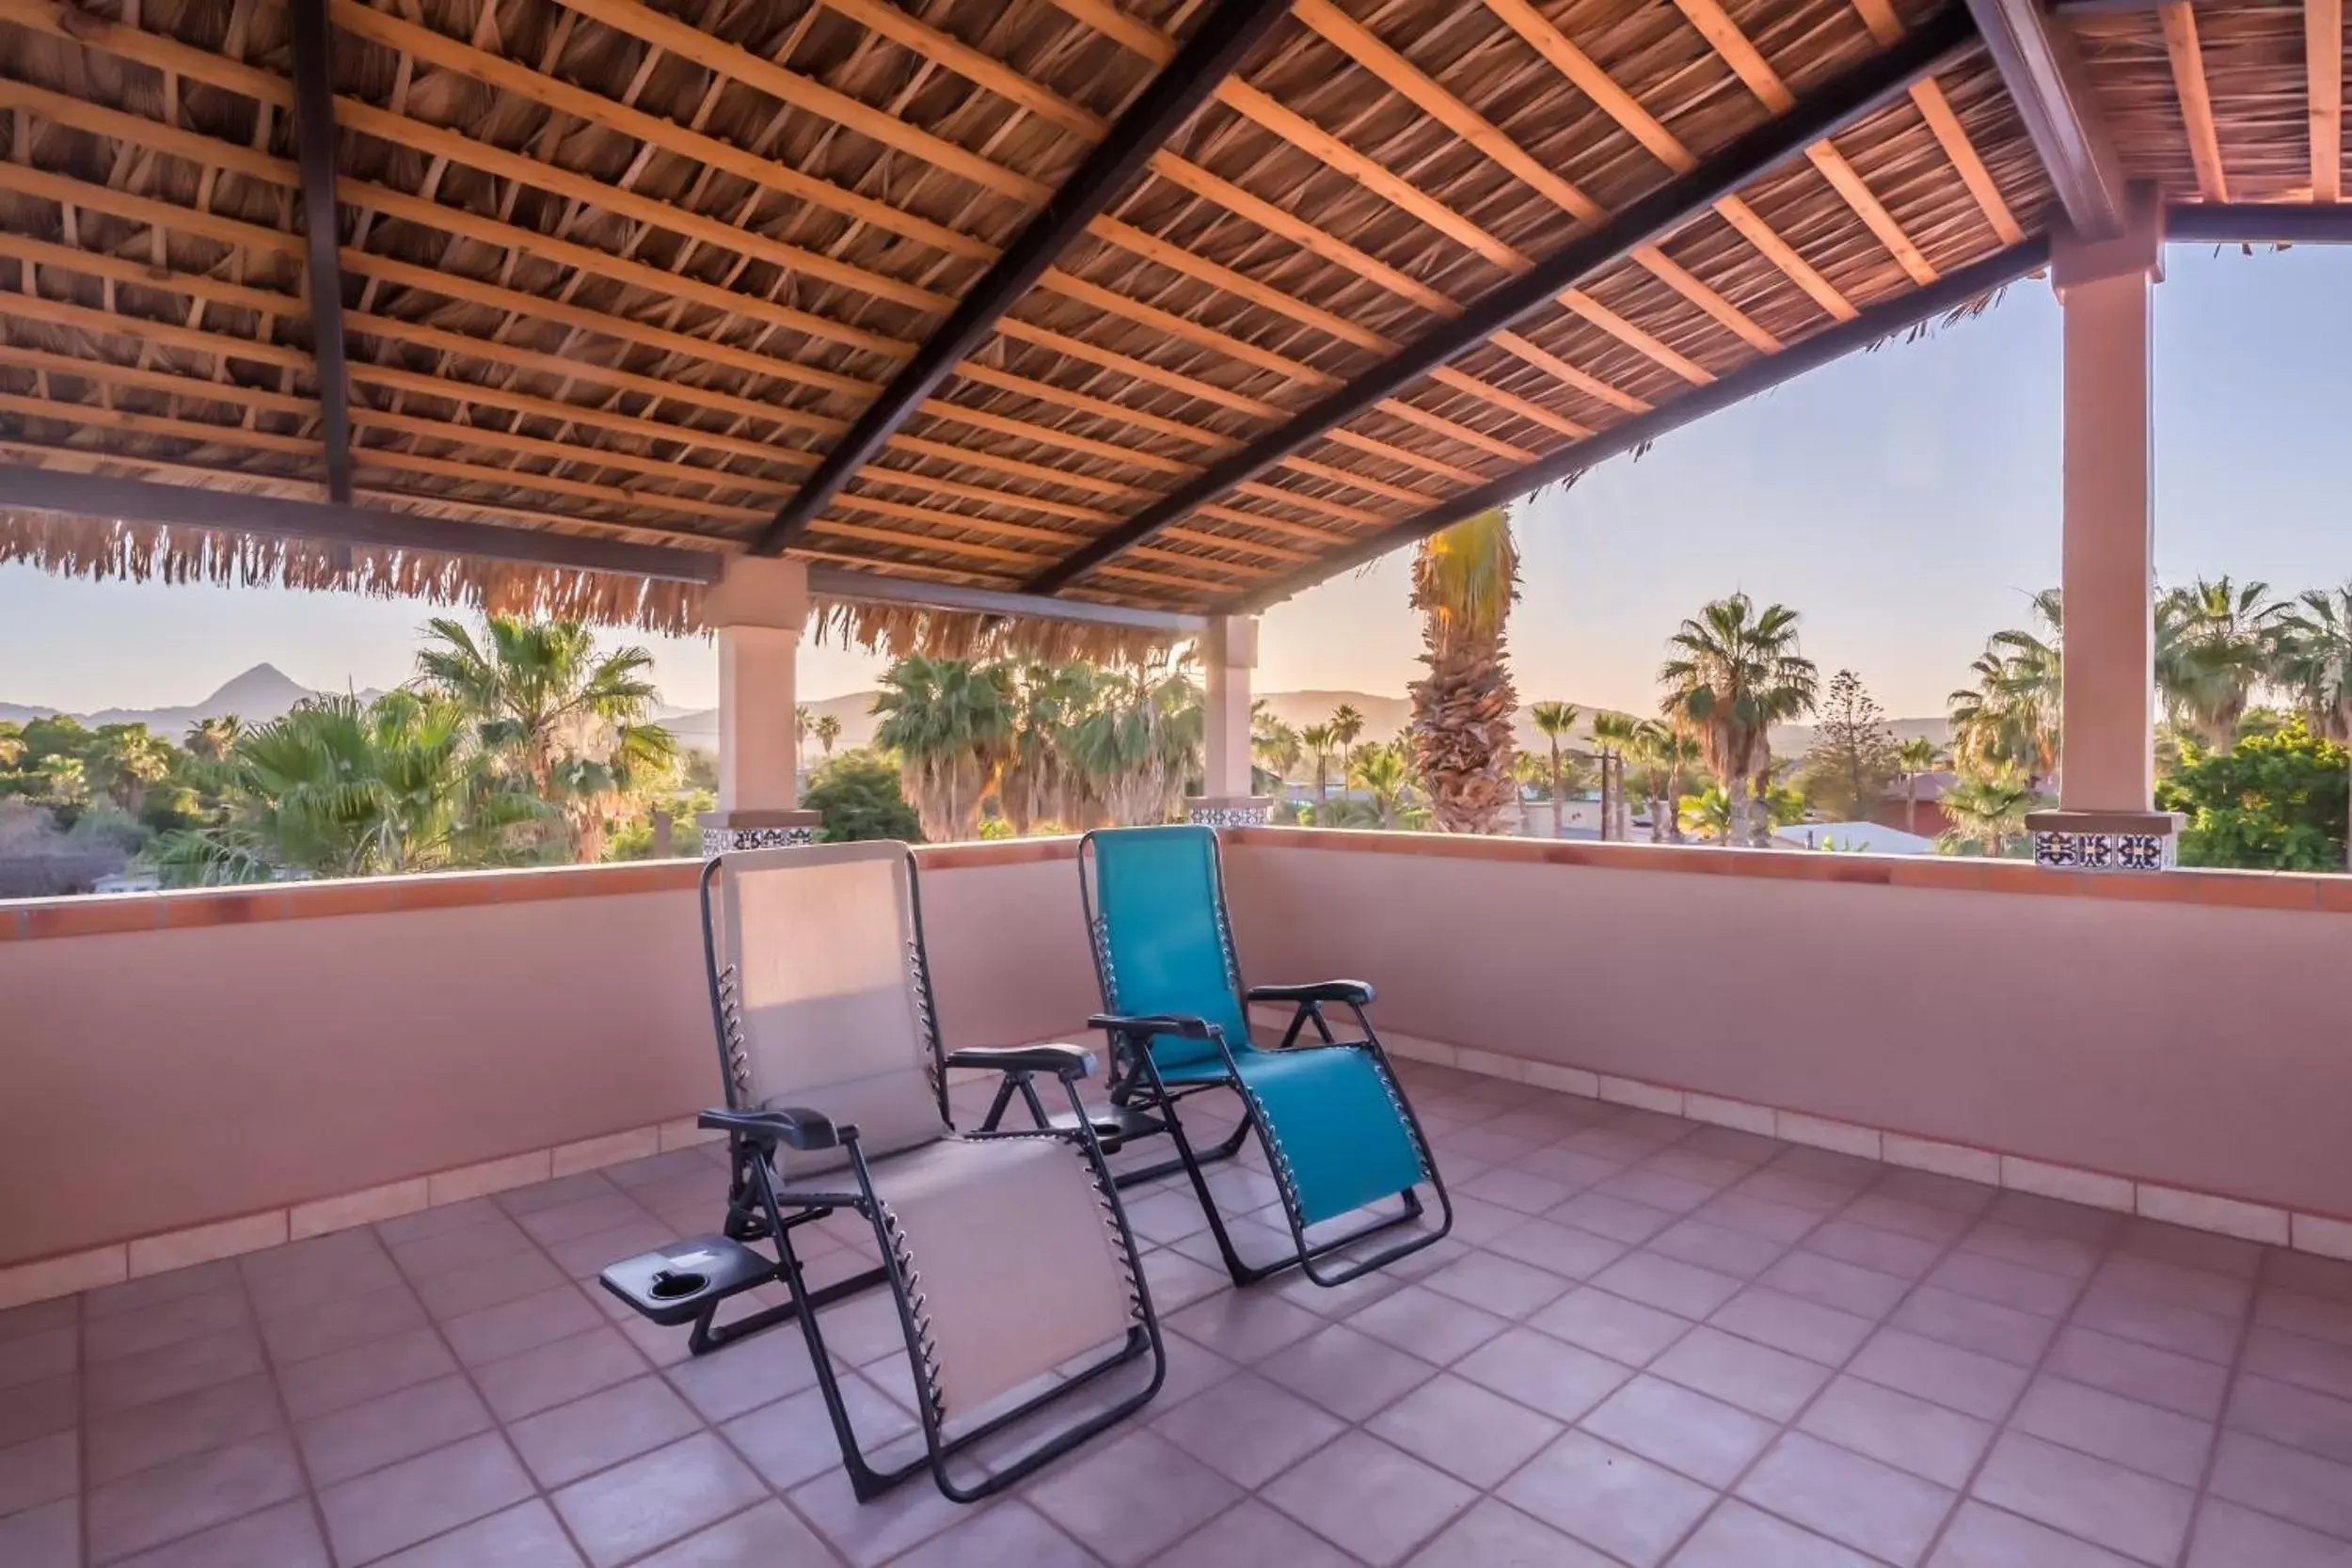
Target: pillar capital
{"x": 2136, "y": 252}
{"x": 1232, "y": 641}
{"x": 759, "y": 590}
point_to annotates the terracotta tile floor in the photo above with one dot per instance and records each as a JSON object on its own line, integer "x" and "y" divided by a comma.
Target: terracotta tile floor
{"x": 1648, "y": 1342}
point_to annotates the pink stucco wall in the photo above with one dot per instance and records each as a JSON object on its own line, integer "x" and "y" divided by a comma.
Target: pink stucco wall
{"x": 2176, "y": 1040}
{"x": 156, "y": 1078}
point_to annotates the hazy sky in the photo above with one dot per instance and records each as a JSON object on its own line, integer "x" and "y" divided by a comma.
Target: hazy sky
{"x": 1906, "y": 502}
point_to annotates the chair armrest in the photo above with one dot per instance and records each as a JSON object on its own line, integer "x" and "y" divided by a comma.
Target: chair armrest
{"x": 1355, "y": 993}
{"x": 795, "y": 1125}
{"x": 1183, "y": 1025}
{"x": 1062, "y": 1061}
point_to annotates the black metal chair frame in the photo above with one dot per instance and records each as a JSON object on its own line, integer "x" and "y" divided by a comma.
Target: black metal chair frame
{"x": 759, "y": 1194}
{"x": 1136, "y": 1075}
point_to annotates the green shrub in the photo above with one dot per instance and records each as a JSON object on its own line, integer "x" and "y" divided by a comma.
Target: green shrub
{"x": 859, "y": 797}
{"x": 2274, "y": 803}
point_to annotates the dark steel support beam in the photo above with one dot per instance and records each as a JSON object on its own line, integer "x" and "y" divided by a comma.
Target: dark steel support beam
{"x": 1223, "y": 39}
{"x": 842, "y": 582}
{"x": 2257, "y": 223}
{"x": 313, "y": 39}
{"x": 2045, "y": 79}
{"x": 1922, "y": 52}
{"x": 1875, "y": 325}
{"x": 134, "y": 500}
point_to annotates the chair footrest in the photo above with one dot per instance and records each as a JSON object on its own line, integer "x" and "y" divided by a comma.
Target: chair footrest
{"x": 675, "y": 1284}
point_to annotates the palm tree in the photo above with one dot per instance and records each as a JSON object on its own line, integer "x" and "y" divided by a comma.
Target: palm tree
{"x": 2314, "y": 661}
{"x": 802, "y": 721}
{"x": 536, "y": 691}
{"x": 1553, "y": 720}
{"x": 1663, "y": 752}
{"x": 1346, "y": 725}
{"x": 2215, "y": 645}
{"x": 1141, "y": 743}
{"x": 1736, "y": 673}
{"x": 123, "y": 760}
{"x": 341, "y": 788}
{"x": 828, "y": 729}
{"x": 1277, "y": 746}
{"x": 1379, "y": 770}
{"x": 1321, "y": 742}
{"x": 951, "y": 722}
{"x": 1614, "y": 734}
{"x": 209, "y": 739}
{"x": 2011, "y": 714}
{"x": 1915, "y": 756}
{"x": 1464, "y": 581}
{"x": 1988, "y": 808}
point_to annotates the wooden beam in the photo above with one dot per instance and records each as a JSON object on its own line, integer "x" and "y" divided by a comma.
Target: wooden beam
{"x": 314, "y": 40}
{"x": 1587, "y": 76}
{"x": 133, "y": 500}
{"x": 2196, "y": 96}
{"x": 1747, "y": 62}
{"x": 1954, "y": 290}
{"x": 1936, "y": 109}
{"x": 2258, "y": 223}
{"x": 833, "y": 582}
{"x": 2322, "y": 51}
{"x": 2046, "y": 81}
{"x": 1852, "y": 96}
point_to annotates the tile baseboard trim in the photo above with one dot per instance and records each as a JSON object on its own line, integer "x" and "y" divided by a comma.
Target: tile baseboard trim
{"x": 2325, "y": 1235}
{"x": 64, "y": 1274}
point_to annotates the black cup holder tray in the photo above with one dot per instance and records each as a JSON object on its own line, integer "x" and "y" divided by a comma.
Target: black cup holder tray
{"x": 672, "y": 1285}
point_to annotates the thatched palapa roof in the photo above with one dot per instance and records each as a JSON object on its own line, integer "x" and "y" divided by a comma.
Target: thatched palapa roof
{"x": 630, "y": 270}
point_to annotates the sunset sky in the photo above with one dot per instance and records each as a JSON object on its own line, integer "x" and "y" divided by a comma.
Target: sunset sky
{"x": 1906, "y": 502}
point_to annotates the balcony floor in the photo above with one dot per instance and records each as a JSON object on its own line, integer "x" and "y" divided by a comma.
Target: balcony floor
{"x": 1649, "y": 1341}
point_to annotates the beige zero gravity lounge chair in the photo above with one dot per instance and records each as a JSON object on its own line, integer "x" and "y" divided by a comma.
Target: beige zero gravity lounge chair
{"x": 1007, "y": 1254}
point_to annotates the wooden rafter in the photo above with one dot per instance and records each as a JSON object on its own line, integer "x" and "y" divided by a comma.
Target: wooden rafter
{"x": 234, "y": 232}
{"x": 1580, "y": 70}
{"x": 170, "y": 55}
{"x": 2323, "y": 50}
{"x": 2188, "y": 82}
{"x": 1936, "y": 109}
{"x": 2045, "y": 79}
{"x": 1747, "y": 62}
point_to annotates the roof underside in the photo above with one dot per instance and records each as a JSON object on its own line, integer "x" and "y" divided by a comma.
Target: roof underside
{"x": 627, "y": 270}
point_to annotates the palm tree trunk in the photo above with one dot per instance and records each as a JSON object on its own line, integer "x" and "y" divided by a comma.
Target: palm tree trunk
{"x": 1735, "y": 805}
{"x": 1674, "y": 790}
{"x": 1911, "y": 804}
{"x": 1558, "y": 805}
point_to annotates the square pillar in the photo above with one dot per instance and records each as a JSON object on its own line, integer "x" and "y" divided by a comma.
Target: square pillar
{"x": 1229, "y": 652}
{"x": 2106, "y": 819}
{"x": 757, "y": 613}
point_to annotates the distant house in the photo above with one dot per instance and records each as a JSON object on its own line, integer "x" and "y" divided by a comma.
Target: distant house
{"x": 1860, "y": 838}
{"x": 1892, "y": 808}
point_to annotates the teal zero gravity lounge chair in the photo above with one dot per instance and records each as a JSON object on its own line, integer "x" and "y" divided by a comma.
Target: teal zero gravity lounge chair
{"x": 1338, "y": 1132}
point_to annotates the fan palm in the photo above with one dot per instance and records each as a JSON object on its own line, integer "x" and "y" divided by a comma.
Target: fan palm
{"x": 1614, "y": 734}
{"x": 1988, "y": 808}
{"x": 1464, "y": 579}
{"x": 951, "y": 722}
{"x": 2011, "y": 714}
{"x": 1734, "y": 674}
{"x": 1379, "y": 770}
{"x": 1321, "y": 743}
{"x": 209, "y": 739}
{"x": 1040, "y": 781}
{"x": 1346, "y": 725}
{"x": 341, "y": 788}
{"x": 532, "y": 686}
{"x": 1663, "y": 752}
{"x": 1277, "y": 746}
{"x": 1141, "y": 743}
{"x": 2314, "y": 660}
{"x": 2215, "y": 645}
{"x": 123, "y": 760}
{"x": 1915, "y": 756}
{"x": 828, "y": 732}
{"x": 1554, "y": 721}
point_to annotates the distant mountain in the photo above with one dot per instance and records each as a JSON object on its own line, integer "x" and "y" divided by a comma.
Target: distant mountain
{"x": 259, "y": 696}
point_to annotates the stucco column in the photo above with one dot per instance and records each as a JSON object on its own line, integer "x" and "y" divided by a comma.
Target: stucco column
{"x": 1229, "y": 652}
{"x": 2107, "y": 817}
{"x": 757, "y": 611}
